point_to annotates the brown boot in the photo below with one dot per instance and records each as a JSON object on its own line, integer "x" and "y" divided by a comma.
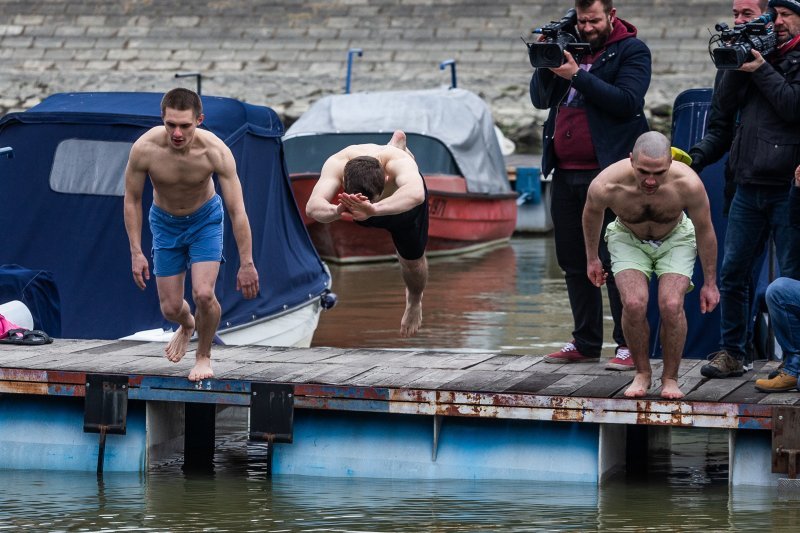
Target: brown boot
{"x": 780, "y": 383}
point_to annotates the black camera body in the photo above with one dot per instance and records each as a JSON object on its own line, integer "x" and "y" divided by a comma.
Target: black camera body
{"x": 557, "y": 36}
{"x": 736, "y": 44}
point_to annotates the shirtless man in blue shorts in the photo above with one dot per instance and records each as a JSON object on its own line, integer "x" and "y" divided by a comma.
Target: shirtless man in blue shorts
{"x": 649, "y": 193}
{"x": 383, "y": 188}
{"x": 186, "y": 220}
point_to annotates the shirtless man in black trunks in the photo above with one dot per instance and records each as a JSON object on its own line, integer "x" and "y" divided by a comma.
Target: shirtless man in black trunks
{"x": 651, "y": 235}
{"x": 383, "y": 188}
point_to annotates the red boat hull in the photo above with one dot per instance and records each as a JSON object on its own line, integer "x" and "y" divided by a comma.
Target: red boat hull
{"x": 459, "y": 222}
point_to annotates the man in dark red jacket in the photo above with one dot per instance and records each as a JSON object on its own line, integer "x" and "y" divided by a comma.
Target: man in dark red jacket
{"x": 596, "y": 114}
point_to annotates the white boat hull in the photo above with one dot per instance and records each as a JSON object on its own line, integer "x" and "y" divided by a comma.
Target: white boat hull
{"x": 293, "y": 328}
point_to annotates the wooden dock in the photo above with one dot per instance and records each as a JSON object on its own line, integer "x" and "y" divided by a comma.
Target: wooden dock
{"x": 433, "y": 382}
{"x": 400, "y": 382}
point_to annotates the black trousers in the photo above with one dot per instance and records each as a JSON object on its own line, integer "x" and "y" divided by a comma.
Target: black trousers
{"x": 569, "y": 196}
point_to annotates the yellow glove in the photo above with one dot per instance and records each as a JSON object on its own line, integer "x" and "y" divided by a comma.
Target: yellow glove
{"x": 680, "y": 155}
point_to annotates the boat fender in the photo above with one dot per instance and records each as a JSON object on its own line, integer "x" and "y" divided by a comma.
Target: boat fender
{"x": 328, "y": 299}
{"x": 17, "y": 313}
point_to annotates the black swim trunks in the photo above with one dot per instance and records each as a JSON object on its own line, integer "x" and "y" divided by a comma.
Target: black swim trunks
{"x": 409, "y": 229}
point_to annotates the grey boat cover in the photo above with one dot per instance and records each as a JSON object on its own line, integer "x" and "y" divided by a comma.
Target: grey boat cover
{"x": 456, "y": 117}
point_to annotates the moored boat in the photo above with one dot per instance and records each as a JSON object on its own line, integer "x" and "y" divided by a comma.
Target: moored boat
{"x": 63, "y": 214}
{"x": 451, "y": 134}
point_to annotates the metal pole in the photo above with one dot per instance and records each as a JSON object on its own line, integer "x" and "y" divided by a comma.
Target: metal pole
{"x": 350, "y": 53}
{"x": 196, "y": 75}
{"x": 770, "y": 331}
{"x": 101, "y": 451}
{"x": 452, "y": 63}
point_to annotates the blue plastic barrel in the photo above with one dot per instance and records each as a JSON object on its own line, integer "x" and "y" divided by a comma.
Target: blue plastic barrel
{"x": 529, "y": 183}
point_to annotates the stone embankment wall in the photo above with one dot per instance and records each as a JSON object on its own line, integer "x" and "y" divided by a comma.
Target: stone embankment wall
{"x": 288, "y": 53}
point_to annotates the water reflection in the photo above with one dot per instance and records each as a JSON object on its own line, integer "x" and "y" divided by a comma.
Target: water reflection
{"x": 512, "y": 298}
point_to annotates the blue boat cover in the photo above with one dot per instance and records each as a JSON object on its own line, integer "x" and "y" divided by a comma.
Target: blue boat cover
{"x": 59, "y": 216}
{"x": 38, "y": 291}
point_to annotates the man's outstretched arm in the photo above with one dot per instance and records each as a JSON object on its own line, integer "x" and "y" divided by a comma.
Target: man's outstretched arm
{"x": 700, "y": 213}
{"x": 320, "y": 206}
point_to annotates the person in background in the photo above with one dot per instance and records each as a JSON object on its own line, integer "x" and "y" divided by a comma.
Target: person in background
{"x": 762, "y": 160}
{"x": 721, "y": 122}
{"x": 596, "y": 108}
{"x": 783, "y": 302}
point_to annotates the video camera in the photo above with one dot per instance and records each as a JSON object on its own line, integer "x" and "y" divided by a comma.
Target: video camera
{"x": 556, "y": 37}
{"x": 734, "y": 45}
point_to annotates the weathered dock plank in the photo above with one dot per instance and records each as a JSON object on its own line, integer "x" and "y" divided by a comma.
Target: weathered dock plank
{"x": 713, "y": 390}
{"x": 496, "y": 362}
{"x": 534, "y": 383}
{"x": 781, "y": 398}
{"x": 434, "y": 379}
{"x": 484, "y": 381}
{"x": 605, "y": 386}
{"x": 383, "y": 376}
{"x": 566, "y": 385}
{"x": 522, "y": 363}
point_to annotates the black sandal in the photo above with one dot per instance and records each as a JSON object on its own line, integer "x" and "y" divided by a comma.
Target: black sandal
{"x": 30, "y": 337}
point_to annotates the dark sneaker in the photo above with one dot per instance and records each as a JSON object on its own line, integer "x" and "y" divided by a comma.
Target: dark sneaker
{"x": 780, "y": 383}
{"x": 622, "y": 360}
{"x": 569, "y": 354}
{"x": 722, "y": 365}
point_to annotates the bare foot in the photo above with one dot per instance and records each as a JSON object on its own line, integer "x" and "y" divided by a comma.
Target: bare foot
{"x": 670, "y": 390}
{"x": 398, "y": 140}
{"x": 639, "y": 387}
{"x": 412, "y": 319}
{"x": 202, "y": 369}
{"x": 176, "y": 348}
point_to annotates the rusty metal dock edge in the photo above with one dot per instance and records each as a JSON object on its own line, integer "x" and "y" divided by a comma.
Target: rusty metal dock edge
{"x": 413, "y": 401}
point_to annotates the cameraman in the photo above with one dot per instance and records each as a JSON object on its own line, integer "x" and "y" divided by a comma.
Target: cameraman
{"x": 596, "y": 114}
{"x": 721, "y": 122}
{"x": 763, "y": 156}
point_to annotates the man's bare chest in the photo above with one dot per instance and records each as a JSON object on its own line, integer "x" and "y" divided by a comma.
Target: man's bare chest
{"x": 648, "y": 213}
{"x": 179, "y": 171}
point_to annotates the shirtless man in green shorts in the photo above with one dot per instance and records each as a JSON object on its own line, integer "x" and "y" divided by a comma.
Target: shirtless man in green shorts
{"x": 186, "y": 220}
{"x": 649, "y": 193}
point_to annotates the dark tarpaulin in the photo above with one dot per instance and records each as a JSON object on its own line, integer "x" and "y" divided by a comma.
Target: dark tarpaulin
{"x": 37, "y": 290}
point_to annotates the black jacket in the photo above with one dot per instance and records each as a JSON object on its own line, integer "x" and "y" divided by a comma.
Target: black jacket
{"x": 766, "y": 146}
{"x": 613, "y": 89}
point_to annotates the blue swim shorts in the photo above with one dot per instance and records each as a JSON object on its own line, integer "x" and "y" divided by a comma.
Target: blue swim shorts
{"x": 181, "y": 241}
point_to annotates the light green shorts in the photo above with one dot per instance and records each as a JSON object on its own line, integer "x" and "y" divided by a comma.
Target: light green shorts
{"x": 675, "y": 254}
